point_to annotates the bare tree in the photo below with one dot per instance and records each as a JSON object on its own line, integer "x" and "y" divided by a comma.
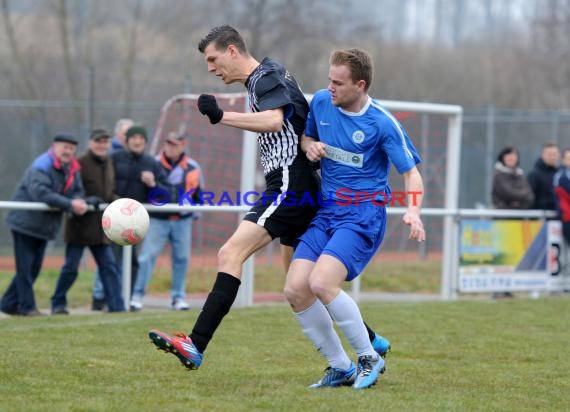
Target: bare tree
{"x": 30, "y": 90}
{"x": 458, "y": 22}
{"x": 257, "y": 9}
{"x": 66, "y": 46}
{"x": 131, "y": 56}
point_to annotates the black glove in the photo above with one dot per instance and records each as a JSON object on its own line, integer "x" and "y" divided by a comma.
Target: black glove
{"x": 208, "y": 106}
{"x": 94, "y": 201}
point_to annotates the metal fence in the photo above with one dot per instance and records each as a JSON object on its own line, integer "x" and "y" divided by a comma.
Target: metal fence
{"x": 487, "y": 131}
{"x": 27, "y": 128}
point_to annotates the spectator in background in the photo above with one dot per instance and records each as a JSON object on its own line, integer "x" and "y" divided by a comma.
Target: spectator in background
{"x": 135, "y": 175}
{"x": 541, "y": 177}
{"x": 98, "y": 177}
{"x": 121, "y": 127}
{"x": 53, "y": 178}
{"x": 117, "y": 144}
{"x": 183, "y": 173}
{"x": 561, "y": 184}
{"x": 511, "y": 189}
{"x": 562, "y": 190}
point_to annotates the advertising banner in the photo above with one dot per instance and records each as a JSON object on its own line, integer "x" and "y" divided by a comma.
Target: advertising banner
{"x": 508, "y": 255}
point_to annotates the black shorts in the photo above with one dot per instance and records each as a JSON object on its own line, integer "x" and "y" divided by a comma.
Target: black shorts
{"x": 289, "y": 203}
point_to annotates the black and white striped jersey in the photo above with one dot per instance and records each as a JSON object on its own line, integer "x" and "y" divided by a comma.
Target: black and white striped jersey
{"x": 271, "y": 86}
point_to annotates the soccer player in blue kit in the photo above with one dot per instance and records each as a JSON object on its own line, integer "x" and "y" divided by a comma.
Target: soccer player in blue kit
{"x": 355, "y": 140}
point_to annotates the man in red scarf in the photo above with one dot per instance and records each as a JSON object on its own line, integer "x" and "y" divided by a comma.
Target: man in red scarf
{"x": 98, "y": 176}
{"x": 53, "y": 178}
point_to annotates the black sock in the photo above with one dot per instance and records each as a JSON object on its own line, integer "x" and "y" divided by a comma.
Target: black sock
{"x": 371, "y": 333}
{"x": 217, "y": 305}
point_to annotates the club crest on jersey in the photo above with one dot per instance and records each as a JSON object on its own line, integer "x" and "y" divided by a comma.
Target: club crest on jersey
{"x": 358, "y": 136}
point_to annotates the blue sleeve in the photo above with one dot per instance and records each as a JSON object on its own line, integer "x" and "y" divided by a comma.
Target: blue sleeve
{"x": 40, "y": 189}
{"x": 311, "y": 125}
{"x": 399, "y": 147}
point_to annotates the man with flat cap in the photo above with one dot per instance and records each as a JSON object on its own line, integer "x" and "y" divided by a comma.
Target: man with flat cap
{"x": 98, "y": 177}
{"x": 52, "y": 178}
{"x": 136, "y": 173}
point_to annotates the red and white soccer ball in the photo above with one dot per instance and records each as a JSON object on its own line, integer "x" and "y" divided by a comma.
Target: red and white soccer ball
{"x": 125, "y": 221}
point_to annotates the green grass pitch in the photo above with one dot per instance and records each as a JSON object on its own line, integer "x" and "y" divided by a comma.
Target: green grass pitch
{"x": 458, "y": 356}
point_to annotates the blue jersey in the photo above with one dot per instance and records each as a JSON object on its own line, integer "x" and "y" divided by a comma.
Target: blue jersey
{"x": 359, "y": 148}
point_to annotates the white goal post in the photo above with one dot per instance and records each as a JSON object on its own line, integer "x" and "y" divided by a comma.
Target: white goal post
{"x": 454, "y": 115}
{"x": 450, "y": 257}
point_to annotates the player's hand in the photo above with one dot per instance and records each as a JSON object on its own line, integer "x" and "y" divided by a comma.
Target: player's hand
{"x": 147, "y": 177}
{"x": 417, "y": 231}
{"x": 315, "y": 151}
{"x": 208, "y": 106}
{"x": 78, "y": 207}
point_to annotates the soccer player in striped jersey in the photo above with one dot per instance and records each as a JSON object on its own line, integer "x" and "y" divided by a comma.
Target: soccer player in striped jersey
{"x": 356, "y": 140}
{"x": 278, "y": 114}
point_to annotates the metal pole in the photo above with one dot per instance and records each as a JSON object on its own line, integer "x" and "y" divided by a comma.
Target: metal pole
{"x": 424, "y": 136}
{"x": 451, "y": 225}
{"x": 554, "y": 123}
{"x": 89, "y": 101}
{"x": 127, "y": 256}
{"x": 490, "y": 155}
{"x": 249, "y": 162}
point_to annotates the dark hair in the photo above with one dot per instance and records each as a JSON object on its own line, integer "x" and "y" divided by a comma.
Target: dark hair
{"x": 222, "y": 37}
{"x": 358, "y": 61}
{"x": 549, "y": 144}
{"x": 507, "y": 150}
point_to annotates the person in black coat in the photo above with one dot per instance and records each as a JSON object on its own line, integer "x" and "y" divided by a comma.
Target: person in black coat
{"x": 541, "y": 177}
{"x": 510, "y": 189}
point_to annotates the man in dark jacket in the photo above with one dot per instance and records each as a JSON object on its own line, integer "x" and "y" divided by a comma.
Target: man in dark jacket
{"x": 135, "y": 175}
{"x": 98, "y": 178}
{"x": 53, "y": 178}
{"x": 183, "y": 173}
{"x": 540, "y": 178}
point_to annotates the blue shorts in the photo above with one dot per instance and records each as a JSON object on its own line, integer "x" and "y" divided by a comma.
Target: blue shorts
{"x": 352, "y": 234}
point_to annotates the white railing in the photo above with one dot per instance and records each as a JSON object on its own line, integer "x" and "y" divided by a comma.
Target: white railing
{"x": 449, "y": 265}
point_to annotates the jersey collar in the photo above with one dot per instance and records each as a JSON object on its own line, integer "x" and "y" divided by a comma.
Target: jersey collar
{"x": 361, "y": 112}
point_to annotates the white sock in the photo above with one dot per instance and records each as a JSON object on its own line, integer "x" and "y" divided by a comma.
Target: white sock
{"x": 344, "y": 311}
{"x": 317, "y": 325}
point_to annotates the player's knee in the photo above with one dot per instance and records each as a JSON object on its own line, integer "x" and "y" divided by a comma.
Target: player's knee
{"x": 297, "y": 296}
{"x": 224, "y": 254}
{"x": 291, "y": 293}
{"x": 228, "y": 254}
{"x": 321, "y": 289}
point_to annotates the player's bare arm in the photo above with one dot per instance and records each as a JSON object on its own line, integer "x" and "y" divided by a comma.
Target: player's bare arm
{"x": 315, "y": 150}
{"x": 415, "y": 189}
{"x": 259, "y": 122}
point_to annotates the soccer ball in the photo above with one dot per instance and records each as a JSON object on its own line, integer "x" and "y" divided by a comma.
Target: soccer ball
{"x": 125, "y": 221}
